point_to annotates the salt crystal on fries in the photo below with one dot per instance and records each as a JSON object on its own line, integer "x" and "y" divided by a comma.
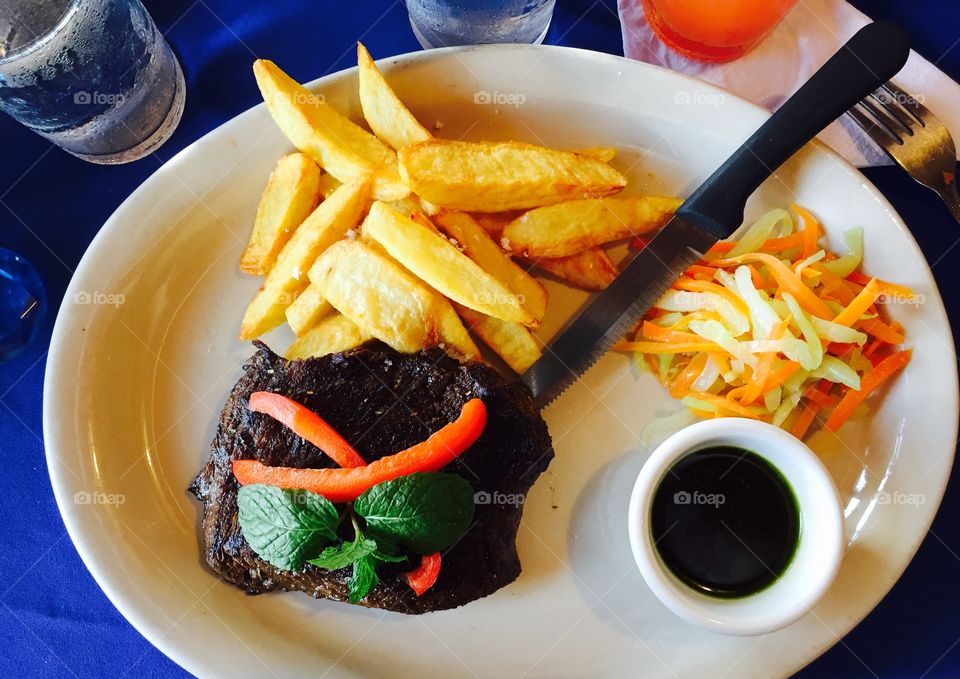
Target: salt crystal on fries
{"x": 442, "y": 265}
{"x": 378, "y": 295}
{"x": 288, "y": 278}
{"x": 568, "y": 228}
{"x": 340, "y": 146}
{"x": 385, "y": 113}
{"x": 498, "y": 176}
{"x": 292, "y": 192}
{"x": 482, "y": 249}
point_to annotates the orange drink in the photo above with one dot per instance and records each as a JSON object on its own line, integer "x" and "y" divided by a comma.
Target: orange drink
{"x": 714, "y": 30}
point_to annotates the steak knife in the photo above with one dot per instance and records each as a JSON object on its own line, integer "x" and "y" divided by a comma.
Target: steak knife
{"x": 715, "y": 210}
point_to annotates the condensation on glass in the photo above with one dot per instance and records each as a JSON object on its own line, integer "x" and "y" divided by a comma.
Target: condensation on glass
{"x": 95, "y": 77}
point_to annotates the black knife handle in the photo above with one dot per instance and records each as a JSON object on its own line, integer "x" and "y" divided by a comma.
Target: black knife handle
{"x": 870, "y": 58}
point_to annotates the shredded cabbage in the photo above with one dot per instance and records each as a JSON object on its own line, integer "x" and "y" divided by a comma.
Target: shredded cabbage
{"x": 683, "y": 300}
{"x": 762, "y": 314}
{"x": 716, "y": 333}
{"x": 707, "y": 376}
{"x": 848, "y": 263}
{"x": 811, "y": 358}
{"x": 761, "y": 230}
{"x": 835, "y": 370}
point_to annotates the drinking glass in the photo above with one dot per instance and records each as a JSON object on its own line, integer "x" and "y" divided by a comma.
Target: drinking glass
{"x": 95, "y": 77}
{"x": 444, "y": 23}
{"x": 714, "y": 30}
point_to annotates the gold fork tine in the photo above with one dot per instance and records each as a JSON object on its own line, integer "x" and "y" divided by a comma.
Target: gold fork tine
{"x": 884, "y": 120}
{"x": 888, "y": 104}
{"x": 908, "y": 102}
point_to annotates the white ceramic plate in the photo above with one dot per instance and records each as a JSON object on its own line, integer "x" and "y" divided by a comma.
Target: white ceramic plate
{"x": 145, "y": 351}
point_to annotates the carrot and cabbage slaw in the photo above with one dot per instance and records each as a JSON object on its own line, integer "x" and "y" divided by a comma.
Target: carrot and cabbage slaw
{"x": 775, "y": 327}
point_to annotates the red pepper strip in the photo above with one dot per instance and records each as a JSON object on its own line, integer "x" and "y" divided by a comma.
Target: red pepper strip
{"x": 873, "y": 379}
{"x": 344, "y": 485}
{"x": 306, "y": 424}
{"x": 425, "y": 575}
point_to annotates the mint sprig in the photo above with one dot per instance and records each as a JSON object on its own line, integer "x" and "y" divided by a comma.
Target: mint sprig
{"x": 424, "y": 512}
{"x": 284, "y": 527}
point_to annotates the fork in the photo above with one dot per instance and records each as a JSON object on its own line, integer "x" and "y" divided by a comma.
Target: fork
{"x": 913, "y": 137}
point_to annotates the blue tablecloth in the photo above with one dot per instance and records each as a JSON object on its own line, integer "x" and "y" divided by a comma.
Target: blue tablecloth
{"x": 54, "y": 620}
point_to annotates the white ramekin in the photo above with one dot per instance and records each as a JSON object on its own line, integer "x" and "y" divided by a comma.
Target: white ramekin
{"x": 822, "y": 536}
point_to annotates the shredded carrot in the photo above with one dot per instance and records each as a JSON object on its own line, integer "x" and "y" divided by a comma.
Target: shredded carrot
{"x": 858, "y": 277}
{"x": 696, "y": 285}
{"x": 880, "y": 330}
{"x": 869, "y": 383}
{"x": 781, "y": 375}
{"x": 685, "y": 378}
{"x": 810, "y": 232}
{"x": 666, "y": 347}
{"x": 866, "y": 299}
{"x": 723, "y": 403}
{"x": 658, "y": 333}
{"x": 807, "y": 414}
{"x": 704, "y": 272}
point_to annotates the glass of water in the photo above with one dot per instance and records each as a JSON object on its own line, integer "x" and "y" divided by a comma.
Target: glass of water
{"x": 444, "y": 23}
{"x": 95, "y": 77}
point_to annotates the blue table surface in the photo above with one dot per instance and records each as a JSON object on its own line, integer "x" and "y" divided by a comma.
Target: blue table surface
{"x": 55, "y": 621}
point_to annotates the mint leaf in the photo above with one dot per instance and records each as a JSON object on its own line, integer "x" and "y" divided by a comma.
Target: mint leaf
{"x": 343, "y": 555}
{"x": 389, "y": 558}
{"x": 364, "y": 579}
{"x": 425, "y": 511}
{"x": 284, "y": 526}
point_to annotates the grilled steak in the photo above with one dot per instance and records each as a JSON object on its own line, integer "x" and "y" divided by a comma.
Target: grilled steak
{"x": 382, "y": 402}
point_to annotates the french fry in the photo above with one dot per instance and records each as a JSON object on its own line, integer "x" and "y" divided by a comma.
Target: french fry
{"x": 568, "y": 228}
{"x": 328, "y": 184}
{"x": 378, "y": 295}
{"x": 341, "y": 147}
{"x": 441, "y": 265}
{"x": 334, "y": 333}
{"x": 482, "y": 249}
{"x": 385, "y": 113}
{"x": 292, "y": 192}
{"x": 591, "y": 269}
{"x": 454, "y": 337}
{"x": 494, "y": 222}
{"x": 510, "y": 341}
{"x": 498, "y": 176}
{"x": 604, "y": 154}
{"x": 287, "y": 279}
{"x": 308, "y": 309}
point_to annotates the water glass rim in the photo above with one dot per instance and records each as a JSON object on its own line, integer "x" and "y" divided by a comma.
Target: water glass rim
{"x": 29, "y": 48}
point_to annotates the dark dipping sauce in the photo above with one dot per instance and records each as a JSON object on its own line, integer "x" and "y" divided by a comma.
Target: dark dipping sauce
{"x": 725, "y": 521}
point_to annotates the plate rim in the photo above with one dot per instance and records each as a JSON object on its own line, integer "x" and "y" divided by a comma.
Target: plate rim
{"x": 54, "y": 369}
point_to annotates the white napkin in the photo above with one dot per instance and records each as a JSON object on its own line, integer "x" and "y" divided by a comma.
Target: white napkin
{"x": 770, "y": 73}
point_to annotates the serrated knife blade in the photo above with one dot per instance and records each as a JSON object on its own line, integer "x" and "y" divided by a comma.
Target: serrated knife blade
{"x": 609, "y": 316}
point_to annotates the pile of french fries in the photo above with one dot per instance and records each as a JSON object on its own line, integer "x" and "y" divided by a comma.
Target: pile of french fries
{"x": 420, "y": 242}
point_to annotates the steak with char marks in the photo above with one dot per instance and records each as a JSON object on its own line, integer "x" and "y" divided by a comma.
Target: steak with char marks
{"x": 381, "y": 402}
